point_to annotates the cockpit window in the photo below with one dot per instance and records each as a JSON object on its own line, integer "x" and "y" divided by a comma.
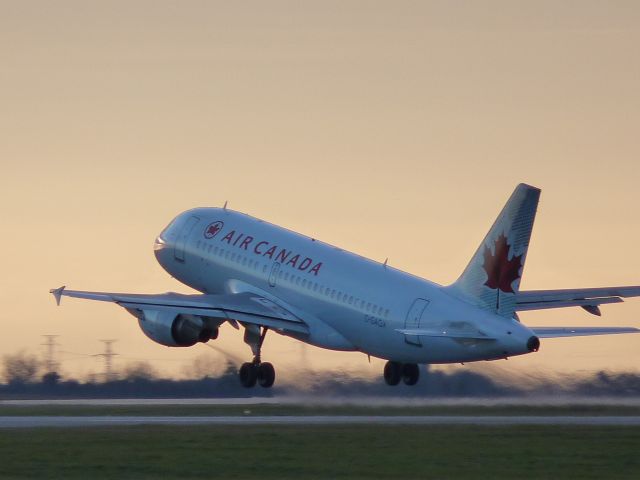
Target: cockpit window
{"x": 165, "y": 231}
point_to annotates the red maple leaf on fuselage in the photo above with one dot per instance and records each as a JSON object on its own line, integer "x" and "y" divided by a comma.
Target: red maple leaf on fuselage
{"x": 213, "y": 229}
{"x": 501, "y": 271}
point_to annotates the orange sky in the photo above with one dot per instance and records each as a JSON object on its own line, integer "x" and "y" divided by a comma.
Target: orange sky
{"x": 393, "y": 129}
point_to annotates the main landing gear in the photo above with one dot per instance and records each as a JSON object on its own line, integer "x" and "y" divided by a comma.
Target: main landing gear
{"x": 256, "y": 371}
{"x": 409, "y": 373}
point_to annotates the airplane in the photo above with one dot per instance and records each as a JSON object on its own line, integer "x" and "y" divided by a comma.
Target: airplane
{"x": 261, "y": 277}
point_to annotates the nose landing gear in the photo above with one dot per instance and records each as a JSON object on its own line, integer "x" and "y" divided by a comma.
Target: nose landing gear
{"x": 409, "y": 373}
{"x": 256, "y": 371}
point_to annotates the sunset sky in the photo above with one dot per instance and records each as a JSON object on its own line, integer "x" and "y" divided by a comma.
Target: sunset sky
{"x": 392, "y": 129}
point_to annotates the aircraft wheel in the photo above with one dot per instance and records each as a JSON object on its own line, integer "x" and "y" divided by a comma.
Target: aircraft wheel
{"x": 392, "y": 373}
{"x": 410, "y": 373}
{"x": 266, "y": 375}
{"x": 248, "y": 375}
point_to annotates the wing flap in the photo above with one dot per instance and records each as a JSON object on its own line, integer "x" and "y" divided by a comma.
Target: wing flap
{"x": 273, "y": 323}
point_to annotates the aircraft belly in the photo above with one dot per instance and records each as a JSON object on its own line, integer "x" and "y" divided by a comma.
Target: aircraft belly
{"x": 436, "y": 350}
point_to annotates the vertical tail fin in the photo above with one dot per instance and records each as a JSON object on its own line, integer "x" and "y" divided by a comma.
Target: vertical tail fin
{"x": 492, "y": 278}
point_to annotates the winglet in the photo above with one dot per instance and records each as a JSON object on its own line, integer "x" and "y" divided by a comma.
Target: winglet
{"x": 57, "y": 293}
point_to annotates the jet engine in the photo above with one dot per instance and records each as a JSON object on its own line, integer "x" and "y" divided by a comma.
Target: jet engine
{"x": 177, "y": 330}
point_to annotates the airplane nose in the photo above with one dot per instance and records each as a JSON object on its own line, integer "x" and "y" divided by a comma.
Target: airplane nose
{"x": 160, "y": 249}
{"x": 159, "y": 244}
{"x": 533, "y": 344}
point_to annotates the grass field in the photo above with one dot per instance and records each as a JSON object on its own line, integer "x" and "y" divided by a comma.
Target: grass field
{"x": 354, "y": 452}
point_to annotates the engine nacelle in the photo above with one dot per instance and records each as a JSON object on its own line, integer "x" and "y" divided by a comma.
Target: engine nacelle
{"x": 176, "y": 330}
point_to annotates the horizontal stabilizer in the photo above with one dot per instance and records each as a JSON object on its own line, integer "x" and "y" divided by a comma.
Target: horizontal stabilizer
{"x": 586, "y": 302}
{"x": 556, "y": 332}
{"x": 587, "y": 298}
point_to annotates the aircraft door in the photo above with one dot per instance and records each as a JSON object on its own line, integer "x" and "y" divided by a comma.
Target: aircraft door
{"x": 183, "y": 237}
{"x": 414, "y": 317}
{"x": 273, "y": 276}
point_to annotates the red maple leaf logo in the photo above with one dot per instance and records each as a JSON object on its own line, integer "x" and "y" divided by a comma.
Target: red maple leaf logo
{"x": 501, "y": 271}
{"x": 213, "y": 229}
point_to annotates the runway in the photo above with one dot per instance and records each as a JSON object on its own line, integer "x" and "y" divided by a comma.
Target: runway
{"x": 315, "y": 400}
{"x": 248, "y": 420}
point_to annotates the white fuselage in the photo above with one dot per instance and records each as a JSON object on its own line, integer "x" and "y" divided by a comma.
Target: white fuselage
{"x": 348, "y": 302}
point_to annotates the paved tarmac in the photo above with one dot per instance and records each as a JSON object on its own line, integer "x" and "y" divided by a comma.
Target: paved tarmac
{"x": 488, "y": 420}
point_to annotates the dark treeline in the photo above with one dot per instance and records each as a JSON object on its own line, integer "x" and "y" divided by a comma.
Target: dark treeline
{"x": 434, "y": 383}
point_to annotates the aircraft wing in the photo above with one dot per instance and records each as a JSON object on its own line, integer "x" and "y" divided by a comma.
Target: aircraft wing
{"x": 555, "y": 332}
{"x": 587, "y": 298}
{"x": 244, "y": 307}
